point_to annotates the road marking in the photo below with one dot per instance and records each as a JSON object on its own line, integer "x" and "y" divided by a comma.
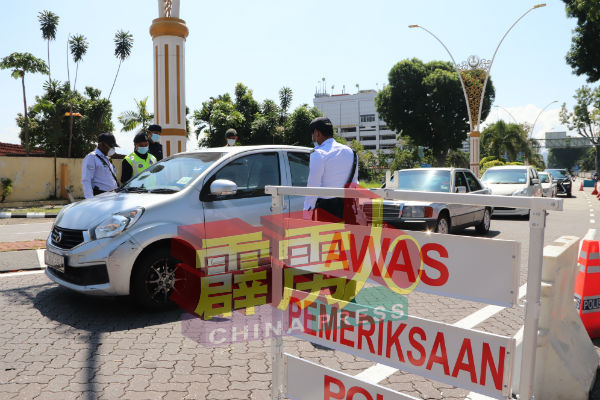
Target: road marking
{"x": 40, "y": 256}
{"x": 592, "y": 221}
{"x": 9, "y": 274}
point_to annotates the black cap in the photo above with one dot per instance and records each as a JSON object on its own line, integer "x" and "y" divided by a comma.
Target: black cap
{"x": 323, "y": 124}
{"x": 230, "y": 133}
{"x": 108, "y": 138}
{"x": 154, "y": 128}
{"x": 140, "y": 137}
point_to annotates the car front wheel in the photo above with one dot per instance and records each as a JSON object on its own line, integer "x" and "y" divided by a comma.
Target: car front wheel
{"x": 484, "y": 226}
{"x": 153, "y": 279}
{"x": 443, "y": 224}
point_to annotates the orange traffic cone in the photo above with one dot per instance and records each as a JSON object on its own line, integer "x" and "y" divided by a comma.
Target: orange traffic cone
{"x": 581, "y": 187}
{"x": 587, "y": 287}
{"x": 595, "y": 192}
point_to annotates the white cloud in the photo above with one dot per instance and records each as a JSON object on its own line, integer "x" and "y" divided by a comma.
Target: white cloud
{"x": 548, "y": 121}
{"x": 10, "y": 134}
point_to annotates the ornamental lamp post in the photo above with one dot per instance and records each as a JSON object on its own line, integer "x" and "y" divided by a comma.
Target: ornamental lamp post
{"x": 538, "y": 116}
{"x": 474, "y": 74}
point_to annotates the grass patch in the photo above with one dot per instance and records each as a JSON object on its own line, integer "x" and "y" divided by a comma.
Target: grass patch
{"x": 371, "y": 185}
{"x": 48, "y": 210}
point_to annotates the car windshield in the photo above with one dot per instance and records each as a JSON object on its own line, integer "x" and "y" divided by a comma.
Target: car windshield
{"x": 558, "y": 173}
{"x": 424, "y": 180}
{"x": 505, "y": 176}
{"x": 543, "y": 177}
{"x": 172, "y": 174}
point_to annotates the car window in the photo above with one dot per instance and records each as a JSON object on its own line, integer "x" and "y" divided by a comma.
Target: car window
{"x": 544, "y": 178}
{"x": 251, "y": 174}
{"x": 459, "y": 180}
{"x": 424, "y": 180}
{"x": 299, "y": 168}
{"x": 505, "y": 176}
{"x": 472, "y": 181}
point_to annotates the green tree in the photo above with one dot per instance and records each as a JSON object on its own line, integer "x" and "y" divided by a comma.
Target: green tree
{"x": 48, "y": 25}
{"x": 458, "y": 159}
{"x": 265, "y": 128}
{"x": 426, "y": 103}
{"x": 506, "y": 139}
{"x": 585, "y": 117}
{"x": 216, "y": 116}
{"x": 123, "y": 44}
{"x": 583, "y": 56}
{"x": 285, "y": 101}
{"x": 564, "y": 158}
{"x": 246, "y": 105}
{"x": 20, "y": 64}
{"x": 50, "y": 126}
{"x": 588, "y": 161}
{"x": 296, "y": 129}
{"x": 133, "y": 118}
{"x": 78, "y": 45}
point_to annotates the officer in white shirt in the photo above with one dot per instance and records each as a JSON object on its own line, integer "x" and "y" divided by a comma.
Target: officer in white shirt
{"x": 98, "y": 175}
{"x": 331, "y": 165}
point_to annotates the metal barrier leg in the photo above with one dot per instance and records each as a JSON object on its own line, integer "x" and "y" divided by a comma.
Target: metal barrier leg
{"x": 277, "y": 367}
{"x": 537, "y": 223}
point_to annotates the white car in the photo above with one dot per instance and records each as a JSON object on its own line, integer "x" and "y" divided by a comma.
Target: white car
{"x": 512, "y": 180}
{"x": 548, "y": 183}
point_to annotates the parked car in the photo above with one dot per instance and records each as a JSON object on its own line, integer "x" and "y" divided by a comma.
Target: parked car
{"x": 512, "y": 180}
{"x": 548, "y": 184}
{"x": 438, "y": 217}
{"x": 564, "y": 183}
{"x": 118, "y": 243}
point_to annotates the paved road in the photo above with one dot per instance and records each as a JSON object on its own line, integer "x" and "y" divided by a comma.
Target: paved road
{"x": 18, "y": 232}
{"x": 58, "y": 344}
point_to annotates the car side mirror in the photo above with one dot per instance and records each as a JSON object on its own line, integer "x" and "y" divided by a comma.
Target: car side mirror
{"x": 535, "y": 181}
{"x": 223, "y": 187}
{"x": 461, "y": 189}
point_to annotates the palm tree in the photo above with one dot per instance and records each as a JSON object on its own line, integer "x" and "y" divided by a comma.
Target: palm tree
{"x": 123, "y": 43}
{"x": 131, "y": 119}
{"x": 285, "y": 99}
{"x": 78, "y": 45}
{"x": 509, "y": 139}
{"x": 22, "y": 63}
{"x": 48, "y": 24}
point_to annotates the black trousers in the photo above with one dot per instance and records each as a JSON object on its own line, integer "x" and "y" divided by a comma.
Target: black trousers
{"x": 334, "y": 206}
{"x": 97, "y": 191}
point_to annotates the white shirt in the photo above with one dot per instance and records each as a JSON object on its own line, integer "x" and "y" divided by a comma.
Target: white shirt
{"x": 95, "y": 173}
{"x": 330, "y": 165}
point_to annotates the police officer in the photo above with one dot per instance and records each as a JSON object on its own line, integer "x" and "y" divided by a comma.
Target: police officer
{"x": 155, "y": 148}
{"x": 331, "y": 165}
{"x": 231, "y": 137}
{"x": 139, "y": 160}
{"x": 97, "y": 172}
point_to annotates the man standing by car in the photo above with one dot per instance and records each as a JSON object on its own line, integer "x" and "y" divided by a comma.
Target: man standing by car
{"x": 331, "y": 165}
{"x": 97, "y": 172}
{"x": 137, "y": 161}
{"x": 155, "y": 148}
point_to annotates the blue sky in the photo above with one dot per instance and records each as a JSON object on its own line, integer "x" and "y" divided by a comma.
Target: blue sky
{"x": 267, "y": 44}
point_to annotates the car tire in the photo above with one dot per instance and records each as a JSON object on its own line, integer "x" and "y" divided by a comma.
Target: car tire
{"x": 484, "y": 226}
{"x": 153, "y": 279}
{"x": 443, "y": 224}
{"x": 569, "y": 193}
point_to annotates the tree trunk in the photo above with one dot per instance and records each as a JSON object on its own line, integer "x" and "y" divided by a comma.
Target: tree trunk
{"x": 597, "y": 157}
{"x": 70, "y": 125}
{"x": 25, "y": 114}
{"x": 440, "y": 158}
{"x": 49, "y": 74}
{"x": 115, "y": 81}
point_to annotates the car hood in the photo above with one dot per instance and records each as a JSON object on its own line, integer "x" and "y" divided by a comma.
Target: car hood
{"x": 88, "y": 213}
{"x": 502, "y": 189}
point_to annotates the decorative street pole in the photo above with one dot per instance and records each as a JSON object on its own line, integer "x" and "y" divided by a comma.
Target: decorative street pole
{"x": 474, "y": 74}
{"x": 536, "y": 118}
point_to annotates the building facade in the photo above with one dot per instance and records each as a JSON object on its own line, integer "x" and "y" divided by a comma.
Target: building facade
{"x": 354, "y": 118}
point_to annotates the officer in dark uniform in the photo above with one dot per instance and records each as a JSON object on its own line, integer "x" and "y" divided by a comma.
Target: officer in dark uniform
{"x": 154, "y": 132}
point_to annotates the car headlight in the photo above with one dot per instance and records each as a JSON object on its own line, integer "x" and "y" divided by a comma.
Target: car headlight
{"x": 117, "y": 223}
{"x": 520, "y": 192}
{"x": 416, "y": 212}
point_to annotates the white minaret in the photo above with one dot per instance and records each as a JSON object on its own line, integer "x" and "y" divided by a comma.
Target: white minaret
{"x": 168, "y": 40}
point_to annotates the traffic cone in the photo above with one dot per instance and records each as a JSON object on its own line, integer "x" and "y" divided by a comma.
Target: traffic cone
{"x": 587, "y": 287}
{"x": 595, "y": 192}
{"x": 581, "y": 187}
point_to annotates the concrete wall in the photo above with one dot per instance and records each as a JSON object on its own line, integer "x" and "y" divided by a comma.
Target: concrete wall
{"x": 33, "y": 177}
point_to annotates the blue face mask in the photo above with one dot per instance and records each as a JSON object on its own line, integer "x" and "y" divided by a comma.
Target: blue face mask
{"x": 155, "y": 137}
{"x": 142, "y": 150}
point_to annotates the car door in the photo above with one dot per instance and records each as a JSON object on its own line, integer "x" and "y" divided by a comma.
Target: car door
{"x": 475, "y": 187}
{"x": 534, "y": 189}
{"x": 251, "y": 173}
{"x": 298, "y": 166}
{"x": 460, "y": 213}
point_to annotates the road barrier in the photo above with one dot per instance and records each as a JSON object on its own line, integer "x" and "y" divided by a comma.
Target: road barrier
{"x": 566, "y": 358}
{"x": 466, "y": 358}
{"x": 587, "y": 287}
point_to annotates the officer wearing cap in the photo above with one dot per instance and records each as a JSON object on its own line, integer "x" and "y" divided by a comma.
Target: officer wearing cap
{"x": 139, "y": 160}
{"x": 155, "y": 148}
{"x": 97, "y": 172}
{"x": 331, "y": 165}
{"x": 231, "y": 136}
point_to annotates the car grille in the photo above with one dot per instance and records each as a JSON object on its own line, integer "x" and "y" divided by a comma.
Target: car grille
{"x": 390, "y": 211}
{"x": 66, "y": 238}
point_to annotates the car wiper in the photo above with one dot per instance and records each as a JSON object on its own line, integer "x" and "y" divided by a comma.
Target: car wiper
{"x": 164, "y": 190}
{"x": 135, "y": 189}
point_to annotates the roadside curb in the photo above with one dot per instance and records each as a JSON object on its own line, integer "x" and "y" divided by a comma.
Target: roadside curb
{"x": 19, "y": 246}
{"x": 4, "y": 215}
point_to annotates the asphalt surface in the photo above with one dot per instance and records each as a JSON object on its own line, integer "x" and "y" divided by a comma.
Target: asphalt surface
{"x": 18, "y": 232}
{"x": 59, "y": 344}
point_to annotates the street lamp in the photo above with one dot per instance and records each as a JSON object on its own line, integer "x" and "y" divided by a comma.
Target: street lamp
{"x": 536, "y": 118}
{"x": 473, "y": 75}
{"x": 509, "y": 113}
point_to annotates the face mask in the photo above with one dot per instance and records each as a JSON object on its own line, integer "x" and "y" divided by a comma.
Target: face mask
{"x": 142, "y": 150}
{"x": 231, "y": 142}
{"x": 155, "y": 137}
{"x": 315, "y": 144}
{"x": 111, "y": 152}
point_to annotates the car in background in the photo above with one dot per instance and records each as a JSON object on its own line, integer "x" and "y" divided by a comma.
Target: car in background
{"x": 438, "y": 217}
{"x": 564, "y": 183}
{"x": 512, "y": 180}
{"x": 548, "y": 184}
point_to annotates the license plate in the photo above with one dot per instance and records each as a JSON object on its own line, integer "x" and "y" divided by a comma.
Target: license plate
{"x": 54, "y": 261}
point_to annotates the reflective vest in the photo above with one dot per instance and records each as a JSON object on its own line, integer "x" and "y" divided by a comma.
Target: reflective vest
{"x": 138, "y": 164}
